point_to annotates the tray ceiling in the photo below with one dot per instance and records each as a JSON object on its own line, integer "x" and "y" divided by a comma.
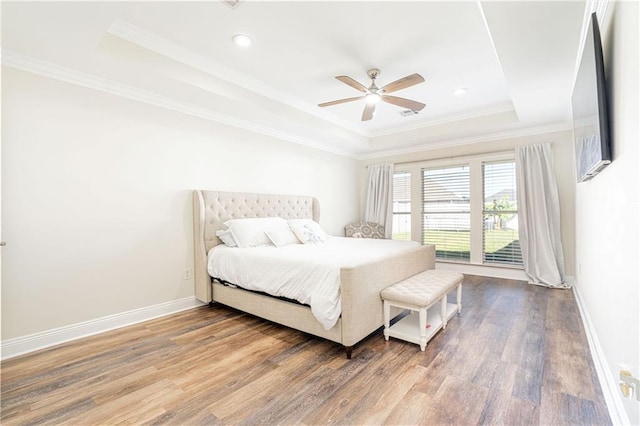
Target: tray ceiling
{"x": 517, "y": 60}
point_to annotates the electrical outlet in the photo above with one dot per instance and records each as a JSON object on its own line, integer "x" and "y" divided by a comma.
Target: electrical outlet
{"x": 187, "y": 274}
{"x": 628, "y": 384}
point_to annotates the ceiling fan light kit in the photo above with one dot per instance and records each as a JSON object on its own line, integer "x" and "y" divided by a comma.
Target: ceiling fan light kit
{"x": 373, "y": 98}
{"x": 373, "y": 94}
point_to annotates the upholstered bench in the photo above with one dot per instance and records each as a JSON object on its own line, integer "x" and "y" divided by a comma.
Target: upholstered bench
{"x": 421, "y": 293}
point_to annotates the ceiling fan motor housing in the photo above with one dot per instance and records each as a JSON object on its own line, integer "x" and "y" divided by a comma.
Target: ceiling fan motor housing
{"x": 373, "y": 73}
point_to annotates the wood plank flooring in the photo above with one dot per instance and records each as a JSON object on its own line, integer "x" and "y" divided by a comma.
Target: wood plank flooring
{"x": 517, "y": 355}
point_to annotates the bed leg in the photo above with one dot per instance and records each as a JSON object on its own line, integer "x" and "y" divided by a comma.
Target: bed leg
{"x": 211, "y": 304}
{"x": 348, "y": 350}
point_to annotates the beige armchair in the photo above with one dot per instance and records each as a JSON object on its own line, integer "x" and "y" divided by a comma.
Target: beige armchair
{"x": 364, "y": 230}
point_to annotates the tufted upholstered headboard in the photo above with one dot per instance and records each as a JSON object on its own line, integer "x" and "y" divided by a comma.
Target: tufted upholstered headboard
{"x": 212, "y": 208}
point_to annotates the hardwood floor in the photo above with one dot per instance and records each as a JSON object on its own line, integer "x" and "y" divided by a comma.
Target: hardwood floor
{"x": 517, "y": 355}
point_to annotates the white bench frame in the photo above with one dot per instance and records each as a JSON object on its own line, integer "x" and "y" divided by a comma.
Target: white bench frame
{"x": 405, "y": 328}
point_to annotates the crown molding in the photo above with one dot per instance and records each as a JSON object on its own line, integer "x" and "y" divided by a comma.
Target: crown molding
{"x": 429, "y": 146}
{"x": 444, "y": 120}
{"x": 90, "y": 81}
{"x": 600, "y": 7}
{"x": 136, "y": 35}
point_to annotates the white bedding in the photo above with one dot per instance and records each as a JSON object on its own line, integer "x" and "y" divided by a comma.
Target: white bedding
{"x": 308, "y": 273}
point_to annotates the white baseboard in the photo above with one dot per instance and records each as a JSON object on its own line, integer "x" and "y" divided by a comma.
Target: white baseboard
{"x": 483, "y": 270}
{"x": 608, "y": 382}
{"x": 22, "y": 345}
{"x": 33, "y": 342}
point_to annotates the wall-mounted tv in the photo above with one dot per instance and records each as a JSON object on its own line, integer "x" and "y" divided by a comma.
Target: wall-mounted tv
{"x": 590, "y": 112}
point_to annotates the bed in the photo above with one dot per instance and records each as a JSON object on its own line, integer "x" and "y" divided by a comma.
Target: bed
{"x": 360, "y": 285}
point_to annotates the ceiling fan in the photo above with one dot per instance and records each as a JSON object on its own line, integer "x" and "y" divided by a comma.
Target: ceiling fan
{"x": 373, "y": 94}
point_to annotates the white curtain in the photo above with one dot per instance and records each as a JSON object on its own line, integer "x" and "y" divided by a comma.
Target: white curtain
{"x": 539, "y": 216}
{"x": 379, "y": 203}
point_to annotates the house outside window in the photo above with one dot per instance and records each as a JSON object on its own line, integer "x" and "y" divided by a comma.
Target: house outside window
{"x": 446, "y": 215}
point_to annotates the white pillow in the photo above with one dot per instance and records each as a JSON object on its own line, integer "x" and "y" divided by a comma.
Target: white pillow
{"x": 251, "y": 232}
{"x": 282, "y": 238}
{"x": 226, "y": 237}
{"x": 308, "y": 231}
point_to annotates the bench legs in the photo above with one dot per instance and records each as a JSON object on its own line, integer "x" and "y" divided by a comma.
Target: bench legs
{"x": 423, "y": 328}
{"x": 405, "y": 327}
{"x": 443, "y": 311}
{"x": 444, "y": 305}
{"x": 387, "y": 319}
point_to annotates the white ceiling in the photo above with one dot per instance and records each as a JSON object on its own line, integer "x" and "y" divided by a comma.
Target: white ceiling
{"x": 516, "y": 58}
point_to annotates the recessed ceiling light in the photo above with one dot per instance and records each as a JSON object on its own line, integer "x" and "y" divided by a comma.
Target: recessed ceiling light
{"x": 242, "y": 40}
{"x": 461, "y": 91}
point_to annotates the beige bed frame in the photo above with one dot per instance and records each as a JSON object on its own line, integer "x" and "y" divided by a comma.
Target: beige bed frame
{"x": 360, "y": 286}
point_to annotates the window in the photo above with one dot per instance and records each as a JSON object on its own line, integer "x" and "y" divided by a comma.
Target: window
{"x": 401, "y": 229}
{"x": 446, "y": 214}
{"x": 500, "y": 214}
{"x": 466, "y": 206}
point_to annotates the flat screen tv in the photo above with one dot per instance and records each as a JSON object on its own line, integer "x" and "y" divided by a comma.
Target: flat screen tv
{"x": 590, "y": 112}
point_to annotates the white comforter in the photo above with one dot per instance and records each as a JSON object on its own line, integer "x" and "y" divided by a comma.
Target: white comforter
{"x": 308, "y": 273}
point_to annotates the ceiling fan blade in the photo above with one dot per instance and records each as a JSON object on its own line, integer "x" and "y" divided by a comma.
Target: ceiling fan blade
{"x": 340, "y": 101}
{"x": 367, "y": 114}
{"x": 403, "y": 83}
{"x": 351, "y": 82}
{"x": 402, "y": 102}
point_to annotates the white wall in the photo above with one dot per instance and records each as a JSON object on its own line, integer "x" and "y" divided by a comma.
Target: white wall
{"x": 563, "y": 163}
{"x": 96, "y": 192}
{"x": 607, "y": 213}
